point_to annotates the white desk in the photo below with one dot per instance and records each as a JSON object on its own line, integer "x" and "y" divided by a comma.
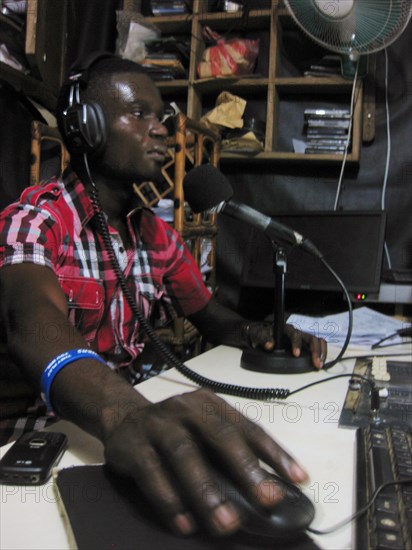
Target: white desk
{"x": 305, "y": 424}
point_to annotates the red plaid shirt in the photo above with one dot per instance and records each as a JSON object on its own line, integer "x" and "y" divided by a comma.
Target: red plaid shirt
{"x": 54, "y": 225}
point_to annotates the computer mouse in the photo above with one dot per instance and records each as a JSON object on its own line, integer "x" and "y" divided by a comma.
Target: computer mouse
{"x": 288, "y": 519}
{"x": 115, "y": 514}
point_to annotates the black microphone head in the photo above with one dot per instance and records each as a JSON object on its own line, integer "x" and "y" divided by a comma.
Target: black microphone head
{"x": 205, "y": 187}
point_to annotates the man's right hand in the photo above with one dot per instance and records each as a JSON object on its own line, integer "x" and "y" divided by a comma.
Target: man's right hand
{"x": 171, "y": 449}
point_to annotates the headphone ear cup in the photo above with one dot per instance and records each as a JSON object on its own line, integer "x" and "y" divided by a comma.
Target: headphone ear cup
{"x": 85, "y": 128}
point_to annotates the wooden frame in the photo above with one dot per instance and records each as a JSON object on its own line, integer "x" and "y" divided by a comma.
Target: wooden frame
{"x": 41, "y": 132}
{"x": 194, "y": 145}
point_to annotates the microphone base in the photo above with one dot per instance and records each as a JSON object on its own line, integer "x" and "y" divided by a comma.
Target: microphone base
{"x": 277, "y": 361}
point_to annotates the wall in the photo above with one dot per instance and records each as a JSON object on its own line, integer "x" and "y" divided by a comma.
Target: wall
{"x": 271, "y": 187}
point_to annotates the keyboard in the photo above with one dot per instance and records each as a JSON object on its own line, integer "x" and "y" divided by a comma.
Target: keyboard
{"x": 384, "y": 454}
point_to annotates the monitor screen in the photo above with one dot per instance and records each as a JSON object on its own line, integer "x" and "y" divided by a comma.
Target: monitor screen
{"x": 350, "y": 241}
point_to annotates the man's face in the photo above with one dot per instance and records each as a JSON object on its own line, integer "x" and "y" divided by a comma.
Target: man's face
{"x": 136, "y": 148}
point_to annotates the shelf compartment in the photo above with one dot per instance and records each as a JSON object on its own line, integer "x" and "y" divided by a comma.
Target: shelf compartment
{"x": 172, "y": 24}
{"x": 199, "y": 45}
{"x": 202, "y": 7}
{"x": 289, "y": 111}
{"x": 257, "y": 19}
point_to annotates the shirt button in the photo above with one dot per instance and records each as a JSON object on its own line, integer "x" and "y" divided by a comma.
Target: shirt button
{"x": 121, "y": 249}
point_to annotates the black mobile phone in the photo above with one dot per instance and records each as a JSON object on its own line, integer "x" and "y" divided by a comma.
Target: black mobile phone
{"x": 30, "y": 460}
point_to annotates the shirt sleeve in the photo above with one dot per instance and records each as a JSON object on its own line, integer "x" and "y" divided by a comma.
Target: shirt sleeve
{"x": 173, "y": 267}
{"x": 183, "y": 281}
{"x": 28, "y": 234}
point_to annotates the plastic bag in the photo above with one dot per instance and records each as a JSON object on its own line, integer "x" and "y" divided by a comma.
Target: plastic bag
{"x": 235, "y": 56}
{"x": 133, "y": 31}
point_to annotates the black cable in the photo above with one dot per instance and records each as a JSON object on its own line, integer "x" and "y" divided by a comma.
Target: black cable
{"x": 350, "y": 313}
{"x": 346, "y": 375}
{"x": 360, "y": 512}
{"x": 392, "y": 345}
{"x": 400, "y": 332}
{"x": 338, "y": 358}
{"x": 369, "y": 355}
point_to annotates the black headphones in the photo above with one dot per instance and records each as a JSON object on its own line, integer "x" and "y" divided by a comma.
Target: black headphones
{"x": 83, "y": 123}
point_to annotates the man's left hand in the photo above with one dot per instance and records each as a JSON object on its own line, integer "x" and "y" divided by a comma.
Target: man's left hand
{"x": 260, "y": 335}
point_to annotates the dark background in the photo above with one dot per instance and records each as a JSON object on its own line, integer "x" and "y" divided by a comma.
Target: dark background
{"x": 273, "y": 187}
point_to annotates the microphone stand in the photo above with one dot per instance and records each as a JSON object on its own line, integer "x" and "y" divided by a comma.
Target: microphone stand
{"x": 280, "y": 360}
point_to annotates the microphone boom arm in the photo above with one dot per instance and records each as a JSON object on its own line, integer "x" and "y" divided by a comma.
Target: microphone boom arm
{"x": 275, "y": 231}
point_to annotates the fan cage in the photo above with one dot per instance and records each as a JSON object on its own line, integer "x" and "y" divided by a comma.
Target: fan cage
{"x": 369, "y": 26}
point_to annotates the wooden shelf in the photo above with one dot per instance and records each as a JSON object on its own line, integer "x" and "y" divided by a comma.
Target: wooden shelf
{"x": 173, "y": 86}
{"x": 29, "y": 86}
{"x": 257, "y": 19}
{"x": 45, "y": 33}
{"x": 172, "y": 24}
{"x": 209, "y": 85}
{"x": 283, "y": 157}
{"x": 270, "y": 87}
{"x": 335, "y": 84}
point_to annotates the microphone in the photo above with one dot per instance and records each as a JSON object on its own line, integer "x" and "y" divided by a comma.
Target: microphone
{"x": 206, "y": 189}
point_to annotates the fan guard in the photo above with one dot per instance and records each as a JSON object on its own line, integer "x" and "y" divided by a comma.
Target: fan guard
{"x": 352, "y": 27}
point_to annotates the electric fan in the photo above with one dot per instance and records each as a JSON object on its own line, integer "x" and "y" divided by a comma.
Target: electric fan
{"x": 351, "y": 27}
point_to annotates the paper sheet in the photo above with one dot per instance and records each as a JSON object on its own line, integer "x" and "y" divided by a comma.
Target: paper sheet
{"x": 369, "y": 326}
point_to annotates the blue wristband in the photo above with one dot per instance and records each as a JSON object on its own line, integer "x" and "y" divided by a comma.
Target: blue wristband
{"x": 57, "y": 364}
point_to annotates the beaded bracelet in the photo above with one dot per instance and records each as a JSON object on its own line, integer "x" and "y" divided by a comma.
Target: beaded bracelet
{"x": 57, "y": 364}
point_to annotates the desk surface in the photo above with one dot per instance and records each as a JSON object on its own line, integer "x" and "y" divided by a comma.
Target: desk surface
{"x": 305, "y": 424}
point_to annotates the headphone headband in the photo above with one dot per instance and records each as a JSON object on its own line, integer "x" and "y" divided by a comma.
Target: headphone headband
{"x": 80, "y": 70}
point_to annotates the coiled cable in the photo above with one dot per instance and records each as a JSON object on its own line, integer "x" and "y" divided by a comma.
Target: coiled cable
{"x": 261, "y": 394}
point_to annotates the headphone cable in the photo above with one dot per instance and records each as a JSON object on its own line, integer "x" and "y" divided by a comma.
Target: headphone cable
{"x": 263, "y": 394}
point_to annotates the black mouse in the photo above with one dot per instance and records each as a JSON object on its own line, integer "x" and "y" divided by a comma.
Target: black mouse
{"x": 288, "y": 519}
{"x": 122, "y": 514}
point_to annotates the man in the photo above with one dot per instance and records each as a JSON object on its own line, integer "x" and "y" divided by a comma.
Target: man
{"x": 56, "y": 272}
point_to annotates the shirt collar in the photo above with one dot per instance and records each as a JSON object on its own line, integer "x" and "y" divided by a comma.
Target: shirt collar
{"x": 82, "y": 201}
{"x": 78, "y": 196}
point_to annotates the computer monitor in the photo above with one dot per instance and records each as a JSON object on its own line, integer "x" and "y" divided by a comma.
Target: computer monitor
{"x": 351, "y": 242}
